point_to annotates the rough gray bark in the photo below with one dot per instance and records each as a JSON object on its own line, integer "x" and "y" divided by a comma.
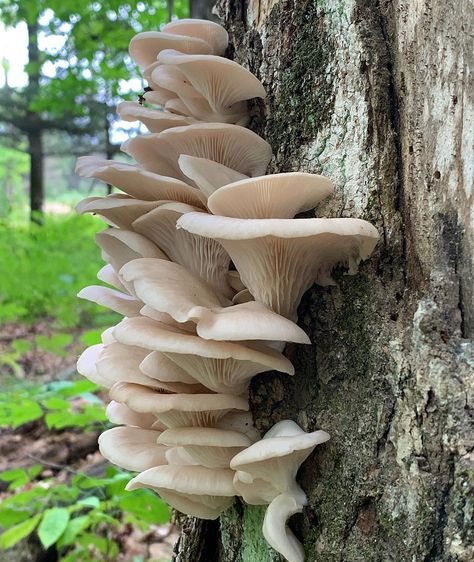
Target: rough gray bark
{"x": 379, "y": 96}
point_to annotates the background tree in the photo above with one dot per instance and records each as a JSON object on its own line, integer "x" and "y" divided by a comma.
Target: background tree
{"x": 375, "y": 95}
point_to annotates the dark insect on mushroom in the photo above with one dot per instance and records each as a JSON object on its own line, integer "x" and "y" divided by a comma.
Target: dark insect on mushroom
{"x": 141, "y": 97}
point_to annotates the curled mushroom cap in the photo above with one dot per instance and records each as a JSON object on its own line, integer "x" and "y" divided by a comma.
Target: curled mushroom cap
{"x": 118, "y": 209}
{"x": 224, "y": 84}
{"x": 132, "y": 448}
{"x": 177, "y": 410}
{"x": 207, "y": 174}
{"x": 276, "y": 532}
{"x": 230, "y": 145}
{"x": 194, "y": 490}
{"x": 154, "y": 120}
{"x": 203, "y": 256}
{"x": 208, "y": 446}
{"x": 120, "y": 414}
{"x": 275, "y": 461}
{"x": 212, "y": 33}
{"x": 145, "y": 47}
{"x": 220, "y": 366}
{"x": 139, "y": 183}
{"x": 110, "y": 298}
{"x": 279, "y": 259}
{"x": 168, "y": 287}
{"x": 273, "y": 196}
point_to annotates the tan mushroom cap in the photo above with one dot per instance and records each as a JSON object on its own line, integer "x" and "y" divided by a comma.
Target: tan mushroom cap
{"x": 207, "y": 174}
{"x": 177, "y": 456}
{"x": 202, "y": 256}
{"x": 275, "y": 460}
{"x": 194, "y": 490}
{"x": 132, "y": 448}
{"x": 118, "y": 210}
{"x": 212, "y": 33}
{"x": 279, "y": 259}
{"x": 107, "y": 335}
{"x": 177, "y": 410}
{"x": 230, "y": 145}
{"x": 145, "y": 47}
{"x": 168, "y": 287}
{"x": 112, "y": 299}
{"x": 273, "y": 196}
{"x": 165, "y": 318}
{"x": 154, "y": 120}
{"x": 220, "y": 366}
{"x": 108, "y": 275}
{"x": 225, "y": 84}
{"x": 120, "y": 414}
{"x": 139, "y": 183}
{"x": 208, "y": 446}
{"x": 276, "y": 532}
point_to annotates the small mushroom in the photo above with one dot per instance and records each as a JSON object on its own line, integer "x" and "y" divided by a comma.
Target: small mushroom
{"x": 279, "y": 259}
{"x": 120, "y": 414}
{"x": 132, "y": 448}
{"x": 110, "y": 298}
{"x": 212, "y": 33}
{"x": 194, "y": 490}
{"x": 154, "y": 120}
{"x": 210, "y": 447}
{"x": 118, "y": 209}
{"x": 276, "y": 532}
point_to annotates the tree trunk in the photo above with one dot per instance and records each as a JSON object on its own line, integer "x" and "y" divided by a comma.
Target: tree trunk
{"x": 374, "y": 94}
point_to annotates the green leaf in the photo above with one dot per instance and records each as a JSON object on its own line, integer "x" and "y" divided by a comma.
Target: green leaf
{"x": 53, "y": 525}
{"x": 91, "y": 501}
{"x": 74, "y": 527}
{"x": 91, "y": 337}
{"x": 13, "y": 535}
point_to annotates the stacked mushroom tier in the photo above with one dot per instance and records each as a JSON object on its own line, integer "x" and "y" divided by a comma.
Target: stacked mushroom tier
{"x": 195, "y": 330}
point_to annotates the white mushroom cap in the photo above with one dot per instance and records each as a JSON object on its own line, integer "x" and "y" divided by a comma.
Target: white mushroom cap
{"x": 207, "y": 174}
{"x": 220, "y": 366}
{"x": 139, "y": 183}
{"x": 195, "y": 490}
{"x": 120, "y": 414}
{"x": 273, "y": 196}
{"x": 110, "y": 298}
{"x": 276, "y": 532}
{"x": 107, "y": 336}
{"x": 168, "y": 287}
{"x": 117, "y": 209}
{"x": 275, "y": 460}
{"x": 158, "y": 366}
{"x": 279, "y": 259}
{"x": 231, "y": 145}
{"x": 177, "y": 410}
{"x": 154, "y": 120}
{"x": 224, "y": 84}
{"x": 212, "y": 33}
{"x": 86, "y": 364}
{"x": 132, "y": 448}
{"x": 108, "y": 275}
{"x": 208, "y": 446}
{"x": 241, "y": 422}
{"x": 145, "y": 47}
{"x": 177, "y": 456}
{"x": 203, "y": 256}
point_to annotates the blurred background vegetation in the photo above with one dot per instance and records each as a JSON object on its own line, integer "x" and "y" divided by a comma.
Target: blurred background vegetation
{"x": 63, "y": 68}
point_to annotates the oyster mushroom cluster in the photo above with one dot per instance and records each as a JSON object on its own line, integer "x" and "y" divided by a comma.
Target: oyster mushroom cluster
{"x": 196, "y": 330}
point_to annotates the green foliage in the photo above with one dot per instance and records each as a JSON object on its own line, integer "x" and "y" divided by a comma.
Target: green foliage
{"x": 60, "y": 404}
{"x": 80, "y": 518}
{"x": 44, "y": 268}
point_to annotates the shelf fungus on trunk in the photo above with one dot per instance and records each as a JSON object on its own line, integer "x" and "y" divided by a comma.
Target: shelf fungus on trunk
{"x": 207, "y": 263}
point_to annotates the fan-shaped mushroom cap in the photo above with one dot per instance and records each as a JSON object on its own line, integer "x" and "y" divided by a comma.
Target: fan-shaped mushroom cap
{"x": 165, "y": 318}
{"x": 107, "y": 336}
{"x": 156, "y": 365}
{"x": 207, "y": 174}
{"x": 120, "y": 414}
{"x": 108, "y": 275}
{"x": 146, "y": 46}
{"x": 110, "y": 298}
{"x": 279, "y": 259}
{"x": 154, "y": 120}
{"x": 117, "y": 210}
{"x": 231, "y": 145}
{"x": 224, "y": 84}
{"x": 86, "y": 364}
{"x": 203, "y": 256}
{"x": 132, "y": 448}
{"x": 276, "y": 532}
{"x": 212, "y": 33}
{"x": 195, "y": 490}
{"x": 274, "y": 196}
{"x": 275, "y": 460}
{"x": 177, "y": 410}
{"x": 208, "y": 446}
{"x": 177, "y": 456}
{"x": 139, "y": 183}
{"x": 168, "y": 287}
{"x": 220, "y": 366}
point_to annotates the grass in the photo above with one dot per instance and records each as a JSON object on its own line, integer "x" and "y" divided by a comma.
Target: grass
{"x": 43, "y": 267}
